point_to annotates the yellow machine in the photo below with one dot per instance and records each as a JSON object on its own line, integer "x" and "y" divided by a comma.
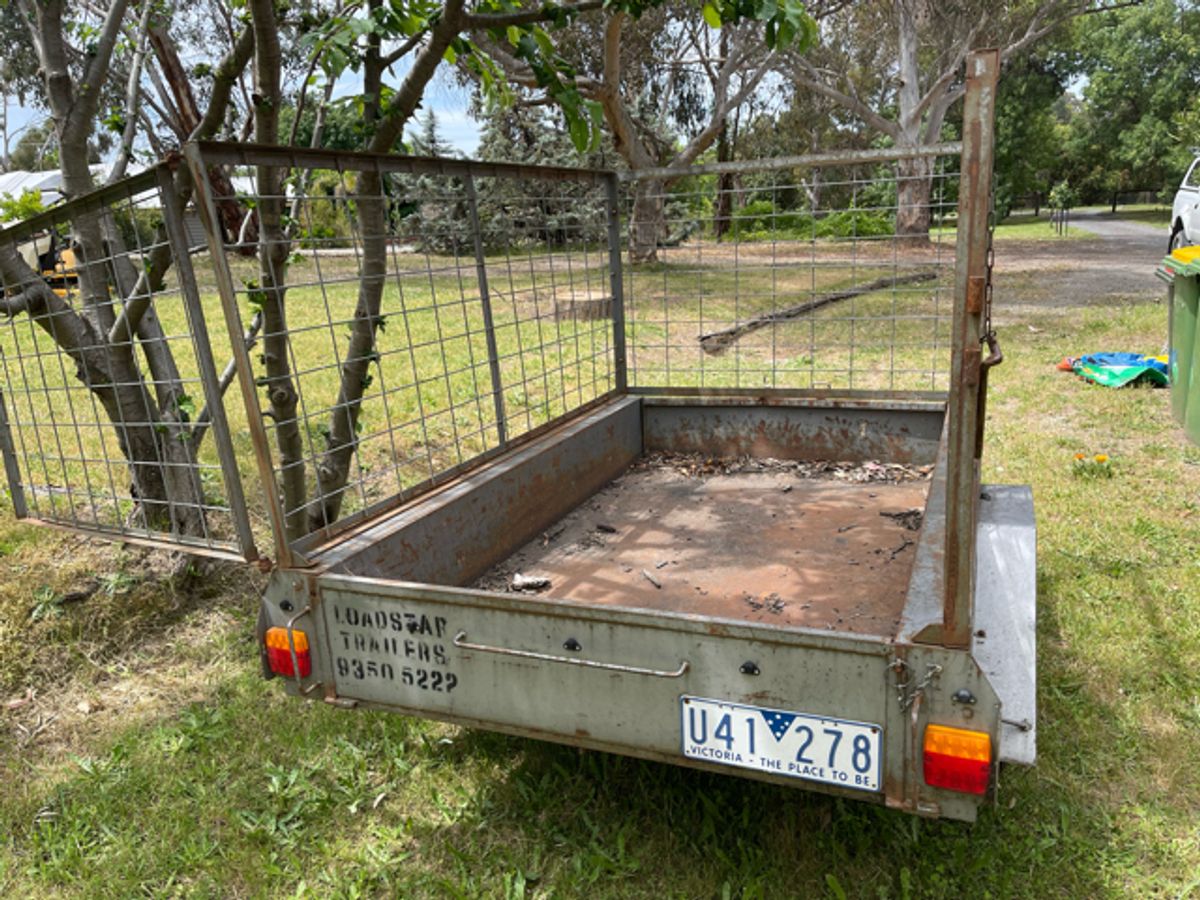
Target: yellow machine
{"x": 54, "y": 259}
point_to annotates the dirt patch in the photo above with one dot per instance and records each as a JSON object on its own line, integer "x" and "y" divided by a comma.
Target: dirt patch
{"x": 815, "y": 545}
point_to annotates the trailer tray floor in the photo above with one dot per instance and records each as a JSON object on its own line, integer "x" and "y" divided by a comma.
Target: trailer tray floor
{"x": 770, "y": 546}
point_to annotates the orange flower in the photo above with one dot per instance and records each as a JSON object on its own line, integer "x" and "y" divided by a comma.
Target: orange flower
{"x": 1081, "y": 456}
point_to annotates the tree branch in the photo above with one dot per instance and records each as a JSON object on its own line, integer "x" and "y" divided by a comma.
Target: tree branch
{"x": 546, "y": 13}
{"x": 408, "y": 96}
{"x": 704, "y": 139}
{"x": 403, "y": 50}
{"x": 950, "y": 73}
{"x": 133, "y": 93}
{"x": 226, "y": 75}
{"x": 204, "y": 420}
{"x": 140, "y": 298}
{"x": 88, "y": 97}
{"x": 814, "y": 82}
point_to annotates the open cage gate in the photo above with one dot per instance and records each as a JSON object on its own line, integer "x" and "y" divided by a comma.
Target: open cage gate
{"x": 448, "y": 370}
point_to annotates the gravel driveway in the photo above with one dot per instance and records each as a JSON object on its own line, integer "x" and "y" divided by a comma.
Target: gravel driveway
{"x": 1114, "y": 267}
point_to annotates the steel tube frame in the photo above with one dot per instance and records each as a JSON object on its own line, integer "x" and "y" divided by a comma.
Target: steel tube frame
{"x": 203, "y": 154}
{"x": 154, "y": 182}
{"x": 485, "y": 301}
{"x": 218, "y": 423}
{"x": 809, "y": 160}
{"x": 966, "y": 381}
{"x": 12, "y": 469}
{"x": 245, "y": 372}
{"x": 217, "y": 153}
{"x": 616, "y": 283}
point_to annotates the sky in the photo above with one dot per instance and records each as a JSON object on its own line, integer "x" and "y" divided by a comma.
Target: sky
{"x": 447, "y": 99}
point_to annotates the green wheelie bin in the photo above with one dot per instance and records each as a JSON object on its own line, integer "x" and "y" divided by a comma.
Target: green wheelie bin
{"x": 1181, "y": 271}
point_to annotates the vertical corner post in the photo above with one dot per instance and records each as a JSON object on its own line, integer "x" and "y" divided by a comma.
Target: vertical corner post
{"x": 485, "y": 301}
{"x": 970, "y": 296}
{"x": 16, "y": 490}
{"x": 177, "y": 237}
{"x": 616, "y": 284}
{"x": 207, "y": 211}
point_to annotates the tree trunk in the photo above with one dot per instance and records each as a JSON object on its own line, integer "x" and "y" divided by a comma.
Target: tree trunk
{"x": 723, "y": 214}
{"x": 333, "y": 469}
{"x": 914, "y": 186}
{"x": 648, "y": 224}
{"x": 113, "y": 319}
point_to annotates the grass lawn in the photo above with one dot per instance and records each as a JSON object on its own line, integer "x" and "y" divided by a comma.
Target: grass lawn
{"x": 1025, "y": 227}
{"x": 1022, "y": 225}
{"x": 142, "y": 754}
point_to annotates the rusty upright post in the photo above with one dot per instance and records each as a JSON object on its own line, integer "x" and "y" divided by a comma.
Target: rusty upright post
{"x": 970, "y": 294}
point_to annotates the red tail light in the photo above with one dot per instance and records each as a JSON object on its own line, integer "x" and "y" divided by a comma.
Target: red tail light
{"x": 957, "y": 759}
{"x": 279, "y": 652}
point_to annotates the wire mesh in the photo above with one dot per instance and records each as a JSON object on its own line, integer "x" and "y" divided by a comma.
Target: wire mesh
{"x": 838, "y": 277}
{"x": 421, "y": 315}
{"x": 111, "y": 396}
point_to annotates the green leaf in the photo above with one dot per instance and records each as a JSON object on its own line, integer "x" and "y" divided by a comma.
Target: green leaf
{"x": 186, "y": 405}
{"x": 580, "y": 130}
{"x": 712, "y": 15}
{"x": 544, "y": 43}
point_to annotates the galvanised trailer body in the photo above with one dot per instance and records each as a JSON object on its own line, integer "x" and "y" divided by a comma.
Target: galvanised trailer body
{"x": 467, "y": 382}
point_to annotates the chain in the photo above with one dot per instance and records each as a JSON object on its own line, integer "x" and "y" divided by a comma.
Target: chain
{"x": 988, "y": 332}
{"x": 905, "y": 697}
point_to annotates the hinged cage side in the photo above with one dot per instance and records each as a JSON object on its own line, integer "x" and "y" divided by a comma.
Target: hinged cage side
{"x": 114, "y": 421}
{"x": 413, "y": 317}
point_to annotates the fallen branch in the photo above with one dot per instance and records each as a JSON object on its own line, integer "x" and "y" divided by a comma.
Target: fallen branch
{"x": 719, "y": 341}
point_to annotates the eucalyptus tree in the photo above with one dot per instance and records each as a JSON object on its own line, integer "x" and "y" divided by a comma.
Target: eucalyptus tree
{"x": 664, "y": 79}
{"x": 897, "y": 67}
{"x": 1137, "y": 126}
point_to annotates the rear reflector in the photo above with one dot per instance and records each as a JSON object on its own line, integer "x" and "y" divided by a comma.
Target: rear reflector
{"x": 957, "y": 759}
{"x": 279, "y": 652}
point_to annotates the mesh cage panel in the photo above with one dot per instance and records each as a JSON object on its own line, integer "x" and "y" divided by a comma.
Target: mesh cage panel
{"x": 768, "y": 275}
{"x": 430, "y": 313}
{"x": 115, "y": 417}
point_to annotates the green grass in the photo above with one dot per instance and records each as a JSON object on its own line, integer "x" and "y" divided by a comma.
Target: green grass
{"x": 1024, "y": 226}
{"x": 190, "y": 776}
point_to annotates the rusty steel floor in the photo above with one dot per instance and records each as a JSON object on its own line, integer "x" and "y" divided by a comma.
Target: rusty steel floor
{"x": 770, "y": 546}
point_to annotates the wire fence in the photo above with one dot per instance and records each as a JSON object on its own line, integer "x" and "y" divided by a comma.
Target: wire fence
{"x": 114, "y": 413}
{"x": 772, "y": 275}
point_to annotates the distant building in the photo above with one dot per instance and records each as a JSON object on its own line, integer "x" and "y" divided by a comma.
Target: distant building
{"x": 48, "y": 183}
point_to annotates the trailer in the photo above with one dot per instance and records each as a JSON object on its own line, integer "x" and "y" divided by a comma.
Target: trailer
{"x": 543, "y": 452}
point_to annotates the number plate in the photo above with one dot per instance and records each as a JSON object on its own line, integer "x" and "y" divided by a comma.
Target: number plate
{"x": 816, "y": 748}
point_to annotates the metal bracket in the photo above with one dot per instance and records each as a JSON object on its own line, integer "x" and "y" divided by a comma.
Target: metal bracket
{"x": 292, "y": 648}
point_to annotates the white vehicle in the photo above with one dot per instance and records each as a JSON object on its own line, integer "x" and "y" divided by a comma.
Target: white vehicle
{"x": 1185, "y": 211}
